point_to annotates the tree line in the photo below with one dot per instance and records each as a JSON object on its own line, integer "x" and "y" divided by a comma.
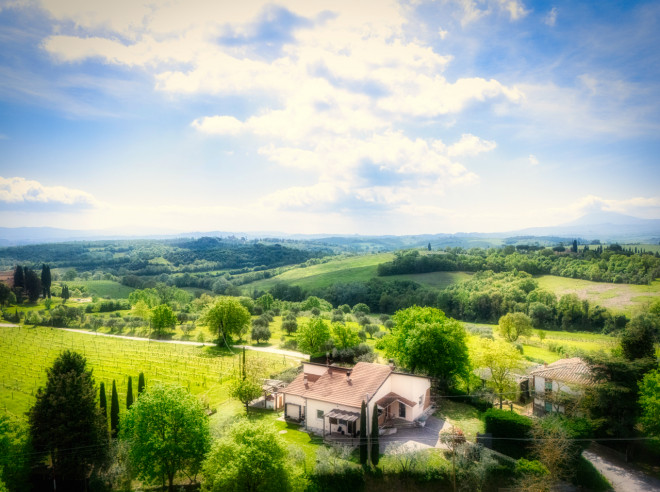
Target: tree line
{"x": 609, "y": 264}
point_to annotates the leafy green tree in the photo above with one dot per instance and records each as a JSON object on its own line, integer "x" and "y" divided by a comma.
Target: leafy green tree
{"x": 364, "y": 438}
{"x": 141, "y": 384}
{"x": 46, "y": 280}
{"x": 103, "y": 404}
{"x": 250, "y": 457}
{"x": 375, "y": 446}
{"x": 129, "y": 393}
{"x": 65, "y": 421}
{"x": 361, "y": 308}
{"x": 514, "y": 325}
{"x": 638, "y": 339}
{"x": 114, "y": 411}
{"x": 344, "y": 336}
{"x": 260, "y": 333}
{"x": 15, "y": 451}
{"x": 162, "y": 319}
{"x": 424, "y": 339}
{"x": 501, "y": 360}
{"x": 246, "y": 385}
{"x": 266, "y": 301}
{"x": 649, "y": 401}
{"x": 167, "y": 433}
{"x": 227, "y": 318}
{"x": 141, "y": 310}
{"x": 65, "y": 293}
{"x": 312, "y": 336}
{"x": 290, "y": 326}
{"x": 32, "y": 284}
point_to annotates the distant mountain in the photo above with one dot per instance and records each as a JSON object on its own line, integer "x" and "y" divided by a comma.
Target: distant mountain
{"x": 605, "y": 226}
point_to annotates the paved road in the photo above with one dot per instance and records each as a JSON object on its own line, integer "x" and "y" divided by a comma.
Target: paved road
{"x": 622, "y": 476}
{"x": 270, "y": 350}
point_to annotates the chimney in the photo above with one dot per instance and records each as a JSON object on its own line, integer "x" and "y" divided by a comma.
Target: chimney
{"x": 330, "y": 370}
{"x": 348, "y": 377}
{"x": 305, "y": 380}
{"x": 392, "y": 364}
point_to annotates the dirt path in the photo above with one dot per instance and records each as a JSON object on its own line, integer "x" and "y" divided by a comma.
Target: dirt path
{"x": 622, "y": 476}
{"x": 269, "y": 350}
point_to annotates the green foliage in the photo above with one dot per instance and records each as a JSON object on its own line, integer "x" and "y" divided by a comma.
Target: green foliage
{"x": 129, "y": 393}
{"x": 251, "y": 456}
{"x": 313, "y": 336}
{"x": 290, "y": 326}
{"x": 639, "y": 337}
{"x": 375, "y": 446}
{"x": 649, "y": 401}
{"x": 114, "y": 411}
{"x": 167, "y": 433}
{"x": 514, "y": 325}
{"x": 15, "y": 451}
{"x": 533, "y": 467}
{"x": 508, "y": 425}
{"x": 424, "y": 339}
{"x": 162, "y": 319}
{"x": 364, "y": 438}
{"x": 361, "y": 308}
{"x": 226, "y": 317}
{"x": 500, "y": 359}
{"x": 344, "y": 336}
{"x": 65, "y": 421}
{"x": 141, "y": 383}
{"x": 260, "y": 332}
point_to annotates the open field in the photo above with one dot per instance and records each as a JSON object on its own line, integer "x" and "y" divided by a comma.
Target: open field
{"x": 436, "y": 280}
{"x": 351, "y": 269}
{"x": 624, "y": 298}
{"x": 102, "y": 288}
{"x": 26, "y": 353}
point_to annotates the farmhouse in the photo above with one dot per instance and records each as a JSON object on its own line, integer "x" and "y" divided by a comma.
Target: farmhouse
{"x": 328, "y": 398}
{"x": 554, "y": 384}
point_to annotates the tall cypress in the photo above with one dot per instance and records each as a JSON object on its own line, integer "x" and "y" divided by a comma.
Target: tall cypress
{"x": 19, "y": 278}
{"x": 114, "y": 411}
{"x": 140, "y": 383}
{"x": 375, "y": 446}
{"x": 103, "y": 403}
{"x": 129, "y": 393}
{"x": 364, "y": 439}
{"x": 45, "y": 280}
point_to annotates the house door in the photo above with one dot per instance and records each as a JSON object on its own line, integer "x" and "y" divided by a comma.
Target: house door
{"x": 402, "y": 410}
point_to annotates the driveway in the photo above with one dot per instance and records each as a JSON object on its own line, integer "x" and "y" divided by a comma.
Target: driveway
{"x": 415, "y": 438}
{"x": 621, "y": 475}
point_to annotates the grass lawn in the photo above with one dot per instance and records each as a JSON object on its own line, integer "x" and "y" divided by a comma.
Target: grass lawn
{"x": 26, "y": 353}
{"x": 623, "y": 298}
{"x": 461, "y": 415}
{"x": 437, "y": 280}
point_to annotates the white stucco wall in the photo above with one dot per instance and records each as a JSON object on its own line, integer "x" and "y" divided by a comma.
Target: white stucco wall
{"x": 414, "y": 389}
{"x": 314, "y": 423}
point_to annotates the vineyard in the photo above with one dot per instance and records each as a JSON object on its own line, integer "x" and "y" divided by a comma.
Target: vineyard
{"x": 26, "y": 353}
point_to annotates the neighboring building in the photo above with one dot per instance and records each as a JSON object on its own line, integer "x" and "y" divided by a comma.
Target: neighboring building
{"x": 273, "y": 397}
{"x": 328, "y": 398}
{"x": 553, "y": 382}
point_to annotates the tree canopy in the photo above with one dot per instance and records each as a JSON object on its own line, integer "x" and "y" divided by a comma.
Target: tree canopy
{"x": 649, "y": 401}
{"x": 500, "y": 359}
{"x": 167, "y": 433}
{"x": 514, "y": 325}
{"x": 66, "y": 421}
{"x": 312, "y": 336}
{"x": 226, "y": 317}
{"x": 250, "y": 457}
{"x": 162, "y": 319}
{"x": 424, "y": 339}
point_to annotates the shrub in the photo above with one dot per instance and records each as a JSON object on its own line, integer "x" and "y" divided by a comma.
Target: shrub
{"x": 509, "y": 425}
{"x": 361, "y": 308}
{"x": 260, "y": 333}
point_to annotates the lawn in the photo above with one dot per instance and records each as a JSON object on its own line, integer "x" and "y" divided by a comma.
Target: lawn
{"x": 436, "y": 280}
{"x": 26, "y": 353}
{"x": 624, "y": 298}
{"x": 102, "y": 288}
{"x": 461, "y": 415}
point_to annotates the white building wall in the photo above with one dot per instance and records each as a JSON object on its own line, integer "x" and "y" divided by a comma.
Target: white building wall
{"x": 314, "y": 423}
{"x": 412, "y": 388}
{"x": 296, "y": 400}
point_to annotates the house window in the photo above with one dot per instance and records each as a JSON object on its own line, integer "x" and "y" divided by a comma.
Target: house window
{"x": 402, "y": 410}
{"x": 319, "y": 414}
{"x": 548, "y": 386}
{"x": 548, "y": 406}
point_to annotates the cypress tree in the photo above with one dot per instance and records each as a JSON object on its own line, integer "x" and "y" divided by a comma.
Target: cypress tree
{"x": 103, "y": 403}
{"x": 140, "y": 383}
{"x": 45, "y": 280}
{"x": 114, "y": 411}
{"x": 375, "y": 446}
{"x": 129, "y": 393}
{"x": 19, "y": 278}
{"x": 364, "y": 439}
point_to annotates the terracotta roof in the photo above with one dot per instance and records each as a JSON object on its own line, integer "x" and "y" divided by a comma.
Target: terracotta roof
{"x": 391, "y": 397}
{"x": 334, "y": 386}
{"x": 573, "y": 370}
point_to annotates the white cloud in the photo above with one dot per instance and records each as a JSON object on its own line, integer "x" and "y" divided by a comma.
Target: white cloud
{"x": 218, "y": 125}
{"x": 19, "y": 192}
{"x": 470, "y": 145}
{"x": 533, "y": 160}
{"x": 515, "y": 9}
{"x": 551, "y": 18}
{"x": 636, "y": 206}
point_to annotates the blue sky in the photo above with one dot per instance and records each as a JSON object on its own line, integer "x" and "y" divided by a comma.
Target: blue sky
{"x": 370, "y": 117}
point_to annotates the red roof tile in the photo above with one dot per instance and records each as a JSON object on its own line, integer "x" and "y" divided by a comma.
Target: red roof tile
{"x": 334, "y": 386}
{"x": 573, "y": 370}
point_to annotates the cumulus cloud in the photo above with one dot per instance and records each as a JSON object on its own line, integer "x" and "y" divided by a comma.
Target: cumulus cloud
{"x": 470, "y": 145}
{"x": 21, "y": 194}
{"x": 533, "y": 160}
{"x": 551, "y": 18}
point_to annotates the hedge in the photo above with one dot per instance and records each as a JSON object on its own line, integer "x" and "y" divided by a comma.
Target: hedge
{"x": 505, "y": 427}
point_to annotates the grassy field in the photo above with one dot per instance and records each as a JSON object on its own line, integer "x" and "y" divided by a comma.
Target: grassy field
{"x": 25, "y": 353}
{"x": 102, "y": 288}
{"x": 436, "y": 280}
{"x": 624, "y": 298}
{"x": 352, "y": 269}
{"x": 461, "y": 415}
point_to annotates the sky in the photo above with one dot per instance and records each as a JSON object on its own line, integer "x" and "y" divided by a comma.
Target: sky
{"x": 343, "y": 117}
